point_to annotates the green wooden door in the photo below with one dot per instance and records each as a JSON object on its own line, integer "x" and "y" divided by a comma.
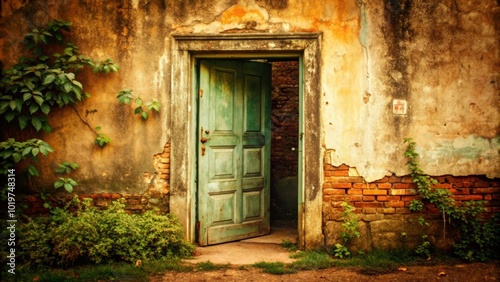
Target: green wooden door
{"x": 233, "y": 150}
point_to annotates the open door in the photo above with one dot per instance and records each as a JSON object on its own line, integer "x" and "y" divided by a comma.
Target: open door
{"x": 233, "y": 150}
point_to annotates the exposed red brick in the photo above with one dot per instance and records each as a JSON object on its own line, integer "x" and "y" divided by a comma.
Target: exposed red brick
{"x": 394, "y": 179}
{"x": 341, "y": 167}
{"x": 406, "y": 179}
{"x": 116, "y": 196}
{"x": 364, "y": 185}
{"x": 368, "y": 198}
{"x": 460, "y": 191}
{"x": 394, "y": 204}
{"x": 485, "y": 191}
{"x": 404, "y": 186}
{"x": 334, "y": 191}
{"x": 353, "y": 191}
{"x": 464, "y": 184}
{"x": 374, "y": 192}
{"x": 328, "y": 167}
{"x": 340, "y": 173}
{"x": 341, "y": 185}
{"x": 388, "y": 198}
{"x": 481, "y": 184}
{"x": 410, "y": 198}
{"x": 368, "y": 205}
{"x": 337, "y": 198}
{"x": 369, "y": 210}
{"x": 442, "y": 186}
{"x": 386, "y": 210}
{"x": 355, "y": 198}
{"x": 467, "y": 197}
{"x": 402, "y": 210}
{"x": 382, "y": 180}
{"x": 402, "y": 192}
{"x": 384, "y": 186}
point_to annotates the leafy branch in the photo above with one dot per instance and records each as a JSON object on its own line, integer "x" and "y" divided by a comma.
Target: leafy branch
{"x": 38, "y": 84}
{"x": 478, "y": 240}
{"x": 143, "y": 109}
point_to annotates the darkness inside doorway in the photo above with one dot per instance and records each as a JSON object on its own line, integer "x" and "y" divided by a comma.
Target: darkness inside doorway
{"x": 284, "y": 140}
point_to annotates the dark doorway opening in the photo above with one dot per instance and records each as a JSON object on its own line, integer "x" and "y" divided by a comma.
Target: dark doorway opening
{"x": 284, "y": 142}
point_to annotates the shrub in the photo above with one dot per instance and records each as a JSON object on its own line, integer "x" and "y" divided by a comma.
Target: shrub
{"x": 89, "y": 235}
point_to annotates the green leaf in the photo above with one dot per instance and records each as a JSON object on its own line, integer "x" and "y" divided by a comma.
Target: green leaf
{"x": 138, "y": 101}
{"x": 49, "y": 79}
{"x": 138, "y": 110}
{"x": 26, "y": 96}
{"x": 67, "y": 86}
{"x": 68, "y": 187}
{"x": 23, "y": 121}
{"x": 59, "y": 183}
{"x": 9, "y": 116}
{"x": 33, "y": 108}
{"x": 33, "y": 171}
{"x": 37, "y": 124}
{"x": 12, "y": 105}
{"x": 17, "y": 157}
{"x": 38, "y": 99}
{"x": 35, "y": 152}
{"x": 45, "y": 108}
{"x": 144, "y": 115}
{"x": 3, "y": 105}
{"x": 26, "y": 151}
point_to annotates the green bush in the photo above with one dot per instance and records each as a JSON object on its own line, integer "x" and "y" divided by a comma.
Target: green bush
{"x": 89, "y": 235}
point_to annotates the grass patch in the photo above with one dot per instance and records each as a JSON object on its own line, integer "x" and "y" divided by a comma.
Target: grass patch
{"x": 309, "y": 260}
{"x": 209, "y": 266}
{"x": 110, "y": 272}
{"x": 378, "y": 262}
{"x": 289, "y": 245}
{"x": 278, "y": 268}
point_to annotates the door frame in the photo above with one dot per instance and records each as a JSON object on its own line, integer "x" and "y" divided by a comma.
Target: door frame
{"x": 185, "y": 51}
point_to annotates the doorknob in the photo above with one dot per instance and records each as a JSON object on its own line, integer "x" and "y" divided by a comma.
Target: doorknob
{"x": 203, "y": 140}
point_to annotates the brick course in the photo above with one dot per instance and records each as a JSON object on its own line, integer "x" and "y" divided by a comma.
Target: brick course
{"x": 155, "y": 196}
{"x": 393, "y": 194}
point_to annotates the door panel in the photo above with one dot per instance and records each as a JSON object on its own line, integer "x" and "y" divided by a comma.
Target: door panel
{"x": 233, "y": 163}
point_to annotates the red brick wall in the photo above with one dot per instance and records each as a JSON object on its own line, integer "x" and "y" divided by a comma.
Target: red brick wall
{"x": 285, "y": 119}
{"x": 155, "y": 196}
{"x": 391, "y": 195}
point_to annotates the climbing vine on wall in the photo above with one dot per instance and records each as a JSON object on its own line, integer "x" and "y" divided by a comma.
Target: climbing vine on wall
{"x": 479, "y": 238}
{"x": 38, "y": 84}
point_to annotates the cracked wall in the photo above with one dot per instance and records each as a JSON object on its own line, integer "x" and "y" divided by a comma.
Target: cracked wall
{"x": 441, "y": 57}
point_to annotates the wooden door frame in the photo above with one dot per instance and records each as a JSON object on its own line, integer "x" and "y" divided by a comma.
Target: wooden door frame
{"x": 185, "y": 50}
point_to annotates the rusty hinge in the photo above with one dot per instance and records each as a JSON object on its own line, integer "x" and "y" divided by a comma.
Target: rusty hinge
{"x": 200, "y": 92}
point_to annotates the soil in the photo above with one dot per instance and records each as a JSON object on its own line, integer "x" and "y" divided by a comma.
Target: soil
{"x": 460, "y": 272}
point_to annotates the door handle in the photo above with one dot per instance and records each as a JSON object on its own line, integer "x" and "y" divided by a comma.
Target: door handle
{"x": 203, "y": 140}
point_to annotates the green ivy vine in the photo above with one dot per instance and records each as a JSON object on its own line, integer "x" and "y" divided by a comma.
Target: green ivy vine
{"x": 479, "y": 238}
{"x": 40, "y": 83}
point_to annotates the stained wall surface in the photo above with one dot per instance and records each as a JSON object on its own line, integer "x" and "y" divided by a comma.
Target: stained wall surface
{"x": 441, "y": 58}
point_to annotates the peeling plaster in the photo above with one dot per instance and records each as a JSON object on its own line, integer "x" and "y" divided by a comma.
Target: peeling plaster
{"x": 462, "y": 156}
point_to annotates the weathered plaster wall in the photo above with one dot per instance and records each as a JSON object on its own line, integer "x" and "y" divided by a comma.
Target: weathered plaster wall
{"x": 441, "y": 57}
{"x": 131, "y": 33}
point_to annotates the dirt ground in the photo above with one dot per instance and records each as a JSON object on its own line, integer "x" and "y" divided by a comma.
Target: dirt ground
{"x": 460, "y": 272}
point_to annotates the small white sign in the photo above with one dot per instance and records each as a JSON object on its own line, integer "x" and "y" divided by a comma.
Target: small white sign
{"x": 399, "y": 107}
